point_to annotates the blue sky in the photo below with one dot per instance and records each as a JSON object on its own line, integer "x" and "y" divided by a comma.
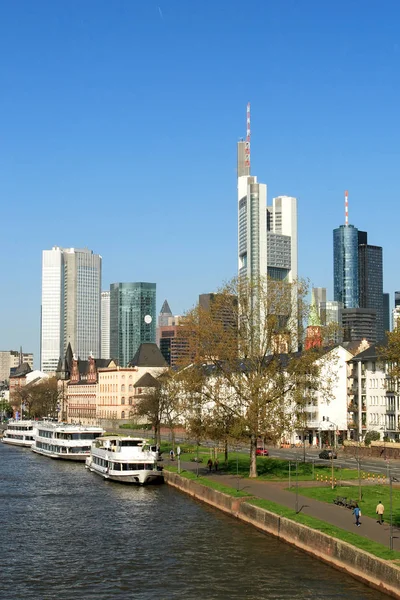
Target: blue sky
{"x": 119, "y": 123}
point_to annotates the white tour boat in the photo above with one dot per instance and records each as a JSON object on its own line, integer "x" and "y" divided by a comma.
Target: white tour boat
{"x": 66, "y": 441}
{"x": 125, "y": 459}
{"x": 20, "y": 433}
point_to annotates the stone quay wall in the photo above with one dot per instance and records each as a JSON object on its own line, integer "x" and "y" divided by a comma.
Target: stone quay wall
{"x": 375, "y": 572}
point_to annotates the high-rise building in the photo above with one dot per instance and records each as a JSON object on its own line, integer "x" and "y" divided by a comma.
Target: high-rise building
{"x": 331, "y": 317}
{"x": 132, "y": 318}
{"x": 386, "y": 312}
{"x": 105, "y": 325}
{"x": 71, "y": 288}
{"x": 345, "y": 265}
{"x": 358, "y": 324}
{"x": 370, "y": 279}
{"x": 267, "y": 235}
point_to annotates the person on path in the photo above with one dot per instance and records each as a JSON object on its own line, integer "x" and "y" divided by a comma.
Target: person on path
{"x": 216, "y": 464}
{"x": 380, "y": 509}
{"x": 357, "y": 514}
{"x": 209, "y": 464}
{"x": 171, "y": 454}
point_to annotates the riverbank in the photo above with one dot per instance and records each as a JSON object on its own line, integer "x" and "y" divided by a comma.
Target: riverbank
{"x": 375, "y": 572}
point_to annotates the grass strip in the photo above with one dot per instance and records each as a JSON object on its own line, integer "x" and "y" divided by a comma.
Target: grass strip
{"x": 346, "y": 536}
{"x": 219, "y": 487}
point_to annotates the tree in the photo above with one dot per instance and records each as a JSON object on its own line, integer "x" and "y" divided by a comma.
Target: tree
{"x": 161, "y": 403}
{"x": 39, "y": 399}
{"x": 250, "y": 347}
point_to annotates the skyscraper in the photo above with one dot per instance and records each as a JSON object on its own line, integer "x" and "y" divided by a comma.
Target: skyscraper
{"x": 132, "y": 318}
{"x": 71, "y": 287}
{"x": 345, "y": 265}
{"x": 267, "y": 236}
{"x": 105, "y": 324}
{"x": 370, "y": 280}
{"x": 386, "y": 312}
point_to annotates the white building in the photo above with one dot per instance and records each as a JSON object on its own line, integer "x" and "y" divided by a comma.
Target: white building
{"x": 373, "y": 398}
{"x": 71, "y": 288}
{"x": 105, "y": 324}
{"x": 327, "y": 411}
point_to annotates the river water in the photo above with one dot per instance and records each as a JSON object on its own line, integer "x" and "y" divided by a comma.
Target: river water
{"x": 68, "y": 535}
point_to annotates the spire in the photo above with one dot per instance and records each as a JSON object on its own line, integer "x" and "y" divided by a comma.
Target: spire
{"x": 346, "y": 208}
{"x": 165, "y": 309}
{"x": 248, "y": 133}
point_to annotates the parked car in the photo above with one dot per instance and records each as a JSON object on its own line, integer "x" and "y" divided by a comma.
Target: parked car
{"x": 328, "y": 454}
{"x": 262, "y": 452}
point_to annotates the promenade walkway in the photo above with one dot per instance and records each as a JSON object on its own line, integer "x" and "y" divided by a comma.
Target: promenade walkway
{"x": 330, "y": 513}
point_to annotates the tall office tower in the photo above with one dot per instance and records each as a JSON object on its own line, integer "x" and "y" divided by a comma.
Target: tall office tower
{"x": 282, "y": 239}
{"x": 132, "y": 318}
{"x": 252, "y": 225}
{"x": 82, "y": 302}
{"x": 345, "y": 262}
{"x": 358, "y": 324}
{"x": 105, "y": 324}
{"x": 386, "y": 312}
{"x": 370, "y": 280}
{"x": 71, "y": 287}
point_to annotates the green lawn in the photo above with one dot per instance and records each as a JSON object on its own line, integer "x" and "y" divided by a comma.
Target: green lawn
{"x": 351, "y": 538}
{"x": 371, "y": 494}
{"x": 209, "y": 483}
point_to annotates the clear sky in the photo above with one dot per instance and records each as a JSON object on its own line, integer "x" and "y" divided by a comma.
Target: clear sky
{"x": 119, "y": 123}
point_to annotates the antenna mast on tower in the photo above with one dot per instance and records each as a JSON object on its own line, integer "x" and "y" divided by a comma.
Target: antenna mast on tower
{"x": 247, "y": 148}
{"x": 346, "y": 207}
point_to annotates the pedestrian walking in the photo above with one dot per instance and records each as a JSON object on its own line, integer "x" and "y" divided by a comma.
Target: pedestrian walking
{"x": 216, "y": 463}
{"x": 380, "y": 509}
{"x": 357, "y": 514}
{"x": 171, "y": 454}
{"x": 209, "y": 464}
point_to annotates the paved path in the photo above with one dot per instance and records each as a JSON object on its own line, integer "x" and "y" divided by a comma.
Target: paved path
{"x": 330, "y": 513}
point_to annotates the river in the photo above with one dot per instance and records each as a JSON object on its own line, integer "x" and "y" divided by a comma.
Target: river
{"x": 68, "y": 535}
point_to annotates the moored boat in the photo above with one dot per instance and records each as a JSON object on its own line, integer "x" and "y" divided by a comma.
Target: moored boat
{"x": 125, "y": 459}
{"x": 65, "y": 441}
{"x": 20, "y": 433}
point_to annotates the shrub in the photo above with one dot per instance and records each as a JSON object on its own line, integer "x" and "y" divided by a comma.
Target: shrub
{"x": 371, "y": 436}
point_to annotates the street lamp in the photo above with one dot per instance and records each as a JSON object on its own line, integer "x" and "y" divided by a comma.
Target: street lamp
{"x": 391, "y": 479}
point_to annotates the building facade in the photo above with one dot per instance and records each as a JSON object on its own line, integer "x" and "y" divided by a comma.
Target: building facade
{"x": 10, "y": 359}
{"x": 132, "y": 318}
{"x": 105, "y": 324}
{"x": 358, "y": 324}
{"x": 70, "y": 314}
{"x": 386, "y": 312}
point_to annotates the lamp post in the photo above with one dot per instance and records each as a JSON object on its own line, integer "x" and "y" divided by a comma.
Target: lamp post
{"x": 391, "y": 479}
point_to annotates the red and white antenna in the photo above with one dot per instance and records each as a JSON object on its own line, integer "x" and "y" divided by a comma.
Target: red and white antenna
{"x": 247, "y": 147}
{"x": 346, "y": 207}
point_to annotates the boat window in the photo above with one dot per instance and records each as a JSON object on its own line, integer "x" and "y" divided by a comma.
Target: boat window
{"x": 130, "y": 443}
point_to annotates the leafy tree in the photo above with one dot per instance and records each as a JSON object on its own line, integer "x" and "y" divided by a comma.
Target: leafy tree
{"x": 246, "y": 358}
{"x": 39, "y": 399}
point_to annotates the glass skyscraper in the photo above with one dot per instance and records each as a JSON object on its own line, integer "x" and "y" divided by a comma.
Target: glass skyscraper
{"x": 345, "y": 266}
{"x": 370, "y": 269}
{"x": 132, "y": 318}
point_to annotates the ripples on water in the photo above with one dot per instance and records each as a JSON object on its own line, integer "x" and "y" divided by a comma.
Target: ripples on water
{"x": 68, "y": 535}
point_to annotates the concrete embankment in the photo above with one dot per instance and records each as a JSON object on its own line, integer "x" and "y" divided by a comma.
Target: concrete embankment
{"x": 373, "y": 571}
